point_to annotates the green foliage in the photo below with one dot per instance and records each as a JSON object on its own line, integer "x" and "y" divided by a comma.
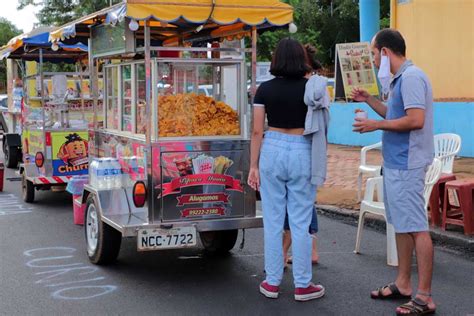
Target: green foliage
{"x": 58, "y": 12}
{"x": 7, "y": 32}
{"x": 323, "y": 24}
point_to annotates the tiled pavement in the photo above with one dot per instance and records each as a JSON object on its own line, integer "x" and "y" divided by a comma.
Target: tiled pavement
{"x": 340, "y": 188}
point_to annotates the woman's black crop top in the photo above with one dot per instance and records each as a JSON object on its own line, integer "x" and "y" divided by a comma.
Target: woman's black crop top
{"x": 283, "y": 99}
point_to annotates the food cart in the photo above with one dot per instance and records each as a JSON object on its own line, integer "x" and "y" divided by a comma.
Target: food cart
{"x": 51, "y": 112}
{"x": 177, "y": 121}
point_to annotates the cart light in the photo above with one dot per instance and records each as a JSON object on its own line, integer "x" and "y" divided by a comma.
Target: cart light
{"x": 133, "y": 25}
{"x": 139, "y": 194}
{"x": 39, "y": 159}
{"x": 292, "y": 28}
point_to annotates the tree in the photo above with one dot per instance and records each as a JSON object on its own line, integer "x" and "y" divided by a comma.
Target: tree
{"x": 322, "y": 23}
{"x": 58, "y": 12}
{"x": 7, "y": 32}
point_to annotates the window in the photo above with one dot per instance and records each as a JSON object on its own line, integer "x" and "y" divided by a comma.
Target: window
{"x": 127, "y": 98}
{"x": 112, "y": 98}
{"x": 141, "y": 98}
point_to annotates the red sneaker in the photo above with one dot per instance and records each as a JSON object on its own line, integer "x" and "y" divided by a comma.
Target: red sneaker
{"x": 268, "y": 290}
{"x": 309, "y": 293}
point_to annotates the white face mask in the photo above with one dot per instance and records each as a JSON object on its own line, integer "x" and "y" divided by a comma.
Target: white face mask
{"x": 385, "y": 76}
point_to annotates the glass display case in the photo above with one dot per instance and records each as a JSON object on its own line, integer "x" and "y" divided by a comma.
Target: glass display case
{"x": 192, "y": 97}
{"x": 199, "y": 98}
{"x": 66, "y": 102}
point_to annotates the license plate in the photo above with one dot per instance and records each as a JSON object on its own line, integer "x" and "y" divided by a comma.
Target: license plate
{"x": 155, "y": 239}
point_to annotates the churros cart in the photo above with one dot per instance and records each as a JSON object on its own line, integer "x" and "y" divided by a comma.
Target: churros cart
{"x": 56, "y": 109}
{"x": 177, "y": 120}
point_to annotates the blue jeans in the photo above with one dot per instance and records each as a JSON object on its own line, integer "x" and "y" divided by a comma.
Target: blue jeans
{"x": 285, "y": 188}
{"x": 313, "y": 227}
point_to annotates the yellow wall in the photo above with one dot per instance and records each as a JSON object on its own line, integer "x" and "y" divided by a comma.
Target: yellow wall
{"x": 439, "y": 35}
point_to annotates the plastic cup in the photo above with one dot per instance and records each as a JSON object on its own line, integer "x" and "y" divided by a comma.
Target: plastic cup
{"x": 362, "y": 115}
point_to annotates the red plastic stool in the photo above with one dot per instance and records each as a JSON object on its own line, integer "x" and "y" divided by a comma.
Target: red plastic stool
{"x": 437, "y": 198}
{"x": 464, "y": 214}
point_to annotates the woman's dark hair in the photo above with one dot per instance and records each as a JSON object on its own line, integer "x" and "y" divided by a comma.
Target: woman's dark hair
{"x": 313, "y": 61}
{"x": 289, "y": 60}
{"x": 391, "y": 39}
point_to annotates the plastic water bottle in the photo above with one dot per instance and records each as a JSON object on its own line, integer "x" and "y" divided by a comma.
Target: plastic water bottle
{"x": 109, "y": 181}
{"x": 100, "y": 182}
{"x": 93, "y": 172}
{"x": 117, "y": 173}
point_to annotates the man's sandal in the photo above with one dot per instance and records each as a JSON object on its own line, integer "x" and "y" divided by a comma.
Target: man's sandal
{"x": 395, "y": 295}
{"x": 416, "y": 307}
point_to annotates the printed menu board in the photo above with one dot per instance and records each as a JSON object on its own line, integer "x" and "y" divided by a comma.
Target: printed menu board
{"x": 354, "y": 68}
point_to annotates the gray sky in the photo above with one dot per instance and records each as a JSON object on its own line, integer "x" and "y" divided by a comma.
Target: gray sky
{"x": 22, "y": 19}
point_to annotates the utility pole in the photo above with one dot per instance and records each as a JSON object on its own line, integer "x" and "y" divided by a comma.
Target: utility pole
{"x": 369, "y": 19}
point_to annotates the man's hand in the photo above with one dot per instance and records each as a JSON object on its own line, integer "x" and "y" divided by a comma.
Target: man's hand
{"x": 365, "y": 126}
{"x": 360, "y": 95}
{"x": 254, "y": 179}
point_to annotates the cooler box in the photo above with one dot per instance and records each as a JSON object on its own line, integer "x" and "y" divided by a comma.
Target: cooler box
{"x": 76, "y": 187}
{"x": 79, "y": 209}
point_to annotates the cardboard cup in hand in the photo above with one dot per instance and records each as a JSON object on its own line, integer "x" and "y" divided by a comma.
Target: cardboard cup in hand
{"x": 361, "y": 114}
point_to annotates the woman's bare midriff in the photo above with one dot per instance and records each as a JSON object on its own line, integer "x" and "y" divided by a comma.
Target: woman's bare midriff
{"x": 291, "y": 131}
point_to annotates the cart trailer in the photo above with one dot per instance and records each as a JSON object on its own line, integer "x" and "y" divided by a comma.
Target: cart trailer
{"x": 55, "y": 112}
{"x": 172, "y": 158}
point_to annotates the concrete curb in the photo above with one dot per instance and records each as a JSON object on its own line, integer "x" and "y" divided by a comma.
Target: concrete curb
{"x": 451, "y": 240}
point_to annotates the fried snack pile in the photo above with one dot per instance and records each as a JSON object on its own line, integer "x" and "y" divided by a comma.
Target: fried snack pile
{"x": 195, "y": 115}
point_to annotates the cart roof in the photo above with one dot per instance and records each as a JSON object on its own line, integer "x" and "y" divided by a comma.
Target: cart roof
{"x": 222, "y": 18}
{"x": 25, "y": 46}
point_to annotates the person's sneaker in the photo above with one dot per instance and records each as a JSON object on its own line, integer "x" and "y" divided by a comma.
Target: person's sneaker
{"x": 309, "y": 293}
{"x": 268, "y": 290}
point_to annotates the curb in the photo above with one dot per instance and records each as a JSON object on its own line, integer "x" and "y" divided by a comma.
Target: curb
{"x": 451, "y": 240}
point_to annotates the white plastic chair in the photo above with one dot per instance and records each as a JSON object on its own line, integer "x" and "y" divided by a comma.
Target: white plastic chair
{"x": 447, "y": 146}
{"x": 369, "y": 205}
{"x": 364, "y": 168}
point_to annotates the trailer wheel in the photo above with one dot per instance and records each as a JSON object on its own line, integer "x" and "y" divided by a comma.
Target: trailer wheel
{"x": 219, "y": 241}
{"x": 11, "y": 156}
{"x": 103, "y": 242}
{"x": 27, "y": 189}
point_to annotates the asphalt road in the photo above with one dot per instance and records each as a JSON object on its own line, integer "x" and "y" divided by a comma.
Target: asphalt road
{"x": 45, "y": 271}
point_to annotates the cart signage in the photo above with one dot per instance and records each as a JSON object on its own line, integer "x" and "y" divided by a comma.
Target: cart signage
{"x": 201, "y": 184}
{"x": 174, "y": 187}
{"x": 354, "y": 69}
{"x": 34, "y": 142}
{"x": 70, "y": 153}
{"x": 178, "y": 237}
{"x": 107, "y": 40}
{"x": 202, "y": 198}
{"x": 203, "y": 211}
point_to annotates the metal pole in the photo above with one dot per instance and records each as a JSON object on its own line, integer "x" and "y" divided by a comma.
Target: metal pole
{"x": 92, "y": 85}
{"x": 148, "y": 82}
{"x": 149, "y": 130}
{"x": 254, "y": 61}
{"x": 42, "y": 100}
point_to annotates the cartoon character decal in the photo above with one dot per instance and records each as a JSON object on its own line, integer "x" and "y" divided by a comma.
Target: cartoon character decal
{"x": 74, "y": 151}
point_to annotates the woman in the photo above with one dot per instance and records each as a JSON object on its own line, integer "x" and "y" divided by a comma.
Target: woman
{"x": 313, "y": 228}
{"x": 281, "y": 169}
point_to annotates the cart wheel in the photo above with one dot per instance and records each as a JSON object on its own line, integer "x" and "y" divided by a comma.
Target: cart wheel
{"x": 27, "y": 189}
{"x": 11, "y": 156}
{"x": 219, "y": 241}
{"x": 103, "y": 242}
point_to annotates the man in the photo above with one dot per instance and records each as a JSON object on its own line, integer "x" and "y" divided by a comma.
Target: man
{"x": 408, "y": 149}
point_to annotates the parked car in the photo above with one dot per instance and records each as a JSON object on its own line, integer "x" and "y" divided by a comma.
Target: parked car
{"x": 3, "y": 102}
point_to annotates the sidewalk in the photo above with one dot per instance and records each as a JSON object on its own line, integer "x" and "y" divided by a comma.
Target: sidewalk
{"x": 338, "y": 197}
{"x": 340, "y": 188}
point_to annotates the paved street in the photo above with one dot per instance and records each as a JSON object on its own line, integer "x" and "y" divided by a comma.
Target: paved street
{"x": 45, "y": 271}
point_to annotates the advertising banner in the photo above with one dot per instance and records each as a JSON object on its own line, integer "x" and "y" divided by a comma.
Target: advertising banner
{"x": 70, "y": 153}
{"x": 354, "y": 68}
